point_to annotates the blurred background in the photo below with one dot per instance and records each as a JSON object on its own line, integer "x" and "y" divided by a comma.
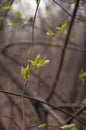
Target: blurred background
{"x": 22, "y": 37}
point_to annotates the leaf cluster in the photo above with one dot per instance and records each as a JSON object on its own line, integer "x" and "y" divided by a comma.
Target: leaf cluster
{"x": 37, "y": 63}
{"x": 65, "y": 127}
{"x": 6, "y": 6}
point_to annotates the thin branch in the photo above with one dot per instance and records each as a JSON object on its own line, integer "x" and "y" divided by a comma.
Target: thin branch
{"x": 47, "y": 125}
{"x": 12, "y": 101}
{"x": 83, "y": 20}
{"x": 33, "y": 26}
{"x": 4, "y": 116}
{"x": 76, "y": 113}
{"x": 43, "y": 102}
{"x": 4, "y": 15}
{"x": 20, "y": 86}
{"x": 63, "y": 51}
{"x": 71, "y": 47}
{"x": 23, "y": 106}
{"x": 2, "y": 127}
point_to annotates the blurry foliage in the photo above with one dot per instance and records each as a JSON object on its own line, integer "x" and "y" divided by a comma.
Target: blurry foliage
{"x": 84, "y": 101}
{"x": 6, "y": 6}
{"x": 63, "y": 28}
{"x": 25, "y": 35}
{"x": 50, "y": 33}
{"x": 15, "y": 24}
{"x": 39, "y": 62}
{"x": 65, "y": 127}
{"x": 68, "y": 127}
{"x": 48, "y": 10}
{"x": 82, "y": 76}
{"x": 8, "y": 22}
{"x": 42, "y": 125}
{"x": 74, "y": 1}
{"x": 18, "y": 14}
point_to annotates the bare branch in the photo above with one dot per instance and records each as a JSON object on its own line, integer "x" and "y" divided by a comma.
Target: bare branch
{"x": 63, "y": 51}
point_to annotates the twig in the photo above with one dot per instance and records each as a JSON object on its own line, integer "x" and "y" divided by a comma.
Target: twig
{"x": 4, "y": 116}
{"x": 78, "y": 18}
{"x": 63, "y": 52}
{"x": 71, "y": 47}
{"x": 76, "y": 113}
{"x": 33, "y": 25}
{"x": 43, "y": 102}
{"x": 23, "y": 106}
{"x": 20, "y": 86}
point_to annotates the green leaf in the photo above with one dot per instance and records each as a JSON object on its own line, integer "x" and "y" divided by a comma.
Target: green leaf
{"x": 82, "y": 76}
{"x": 25, "y": 71}
{"x": 37, "y": 1}
{"x": 8, "y": 7}
{"x": 10, "y": 37}
{"x": 68, "y": 127}
{"x": 48, "y": 125}
{"x": 19, "y": 14}
{"x": 50, "y": 33}
{"x": 58, "y": 28}
{"x": 0, "y": 5}
{"x": 39, "y": 62}
{"x": 7, "y": 21}
{"x": 74, "y": 1}
{"x": 15, "y": 24}
{"x": 42, "y": 125}
{"x": 25, "y": 35}
{"x": 47, "y": 10}
{"x": 84, "y": 101}
{"x": 71, "y": 39}
{"x": 63, "y": 28}
{"x": 64, "y": 25}
{"x": 53, "y": 43}
{"x": 64, "y": 32}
